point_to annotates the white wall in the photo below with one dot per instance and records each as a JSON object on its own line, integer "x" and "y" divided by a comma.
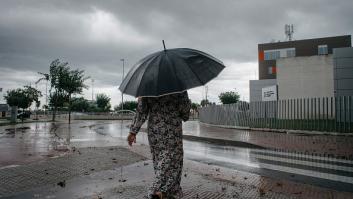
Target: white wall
{"x": 303, "y": 77}
{"x": 256, "y": 88}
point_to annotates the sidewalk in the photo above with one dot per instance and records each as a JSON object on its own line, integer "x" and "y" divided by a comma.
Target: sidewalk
{"x": 319, "y": 145}
{"x": 38, "y": 167}
{"x": 125, "y": 173}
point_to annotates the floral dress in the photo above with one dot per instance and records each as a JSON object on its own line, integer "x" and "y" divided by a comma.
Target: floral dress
{"x": 165, "y": 115}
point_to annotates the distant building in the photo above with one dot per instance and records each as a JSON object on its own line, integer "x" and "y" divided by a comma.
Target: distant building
{"x": 256, "y": 87}
{"x": 300, "y": 69}
{"x": 305, "y": 77}
{"x": 269, "y": 53}
{"x": 343, "y": 71}
{"x": 4, "y": 111}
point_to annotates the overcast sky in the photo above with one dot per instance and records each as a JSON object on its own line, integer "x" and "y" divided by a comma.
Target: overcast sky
{"x": 95, "y": 35}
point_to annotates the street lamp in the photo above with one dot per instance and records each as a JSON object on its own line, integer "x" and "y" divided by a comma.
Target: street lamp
{"x": 92, "y": 81}
{"x": 122, "y": 94}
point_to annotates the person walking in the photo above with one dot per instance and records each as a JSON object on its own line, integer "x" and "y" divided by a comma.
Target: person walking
{"x": 164, "y": 129}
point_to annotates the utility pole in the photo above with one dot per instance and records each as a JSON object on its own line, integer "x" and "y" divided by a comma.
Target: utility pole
{"x": 122, "y": 94}
{"x": 206, "y": 92}
{"x": 2, "y": 95}
{"x": 92, "y": 81}
{"x": 46, "y": 97}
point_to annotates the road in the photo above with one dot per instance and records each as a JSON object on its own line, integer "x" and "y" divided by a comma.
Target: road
{"x": 36, "y": 141}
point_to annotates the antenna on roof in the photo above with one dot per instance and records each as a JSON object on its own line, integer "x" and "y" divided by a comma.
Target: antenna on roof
{"x": 164, "y": 45}
{"x": 289, "y": 31}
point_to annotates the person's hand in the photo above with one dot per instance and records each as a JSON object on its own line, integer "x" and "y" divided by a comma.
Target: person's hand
{"x": 131, "y": 138}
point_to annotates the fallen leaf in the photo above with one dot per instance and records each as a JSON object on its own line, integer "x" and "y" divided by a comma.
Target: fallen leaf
{"x": 62, "y": 183}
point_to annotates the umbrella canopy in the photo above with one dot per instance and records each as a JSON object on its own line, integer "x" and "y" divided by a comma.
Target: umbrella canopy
{"x": 170, "y": 71}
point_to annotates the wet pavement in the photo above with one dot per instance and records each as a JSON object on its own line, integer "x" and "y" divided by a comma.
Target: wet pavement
{"x": 43, "y": 141}
{"x": 55, "y": 171}
{"x": 132, "y": 181}
{"x": 321, "y": 145}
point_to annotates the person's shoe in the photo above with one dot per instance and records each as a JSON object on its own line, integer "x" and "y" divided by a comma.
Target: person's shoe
{"x": 157, "y": 195}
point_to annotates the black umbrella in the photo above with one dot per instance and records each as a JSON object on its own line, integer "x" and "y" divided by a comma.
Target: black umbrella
{"x": 170, "y": 71}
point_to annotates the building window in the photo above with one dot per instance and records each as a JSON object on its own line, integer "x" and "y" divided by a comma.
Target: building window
{"x": 290, "y": 52}
{"x": 279, "y": 53}
{"x": 322, "y": 50}
{"x": 272, "y": 70}
{"x": 272, "y": 55}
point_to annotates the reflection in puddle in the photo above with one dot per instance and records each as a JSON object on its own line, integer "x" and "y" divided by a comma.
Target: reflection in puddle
{"x": 35, "y": 141}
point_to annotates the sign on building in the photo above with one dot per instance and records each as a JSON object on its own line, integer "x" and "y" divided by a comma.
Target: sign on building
{"x": 269, "y": 93}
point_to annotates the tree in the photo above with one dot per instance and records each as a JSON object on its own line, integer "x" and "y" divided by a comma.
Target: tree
{"x": 194, "y": 108}
{"x": 73, "y": 83}
{"x": 57, "y": 101}
{"x": 103, "y": 102}
{"x": 79, "y": 104}
{"x": 15, "y": 97}
{"x": 229, "y": 97}
{"x": 33, "y": 95}
{"x": 204, "y": 102}
{"x": 128, "y": 105}
{"x": 57, "y": 72}
{"x": 64, "y": 82}
{"x": 22, "y": 97}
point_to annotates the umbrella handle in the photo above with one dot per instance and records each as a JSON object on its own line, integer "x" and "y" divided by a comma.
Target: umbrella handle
{"x": 164, "y": 45}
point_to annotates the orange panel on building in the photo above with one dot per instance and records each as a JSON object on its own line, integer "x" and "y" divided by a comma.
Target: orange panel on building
{"x": 274, "y": 69}
{"x": 261, "y": 55}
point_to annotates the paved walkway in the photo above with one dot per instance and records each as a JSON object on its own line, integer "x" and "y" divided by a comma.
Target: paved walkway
{"x": 110, "y": 172}
{"x": 320, "y": 145}
{"x": 79, "y": 170}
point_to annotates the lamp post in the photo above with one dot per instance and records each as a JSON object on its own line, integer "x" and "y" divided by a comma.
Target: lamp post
{"x": 122, "y": 94}
{"x": 92, "y": 81}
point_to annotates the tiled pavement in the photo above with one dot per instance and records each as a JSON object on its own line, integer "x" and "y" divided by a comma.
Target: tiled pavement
{"x": 15, "y": 179}
{"x": 262, "y": 185}
{"x": 234, "y": 180}
{"x": 107, "y": 172}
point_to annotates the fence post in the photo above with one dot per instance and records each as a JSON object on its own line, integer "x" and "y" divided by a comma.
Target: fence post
{"x": 278, "y": 116}
{"x": 326, "y": 118}
{"x": 319, "y": 114}
{"x": 307, "y": 113}
{"x": 340, "y": 120}
{"x": 333, "y": 113}
{"x": 301, "y": 114}
{"x": 350, "y": 110}
{"x": 273, "y": 115}
{"x": 291, "y": 113}
{"x": 345, "y": 114}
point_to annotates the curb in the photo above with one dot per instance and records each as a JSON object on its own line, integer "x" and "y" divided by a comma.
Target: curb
{"x": 222, "y": 142}
{"x": 25, "y": 122}
{"x": 287, "y": 131}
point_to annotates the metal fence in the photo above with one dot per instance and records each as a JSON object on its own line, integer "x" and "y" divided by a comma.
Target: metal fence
{"x": 330, "y": 114}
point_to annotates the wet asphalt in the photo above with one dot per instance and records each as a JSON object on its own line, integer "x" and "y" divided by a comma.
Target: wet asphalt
{"x": 21, "y": 144}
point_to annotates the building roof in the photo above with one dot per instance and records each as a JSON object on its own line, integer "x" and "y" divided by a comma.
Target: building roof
{"x": 341, "y": 37}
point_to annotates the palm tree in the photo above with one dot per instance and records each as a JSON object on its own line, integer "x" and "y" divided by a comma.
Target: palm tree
{"x": 45, "y": 77}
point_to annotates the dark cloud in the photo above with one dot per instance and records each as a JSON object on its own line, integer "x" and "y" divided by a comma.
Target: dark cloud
{"x": 95, "y": 35}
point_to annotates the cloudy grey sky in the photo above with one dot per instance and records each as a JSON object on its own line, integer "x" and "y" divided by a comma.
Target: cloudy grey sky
{"x": 95, "y": 35}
